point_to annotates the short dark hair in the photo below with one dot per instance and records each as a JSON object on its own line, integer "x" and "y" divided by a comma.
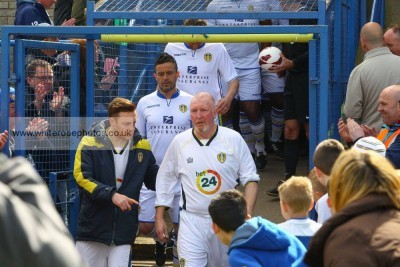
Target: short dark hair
{"x": 195, "y": 22}
{"x": 395, "y": 28}
{"x": 30, "y": 70}
{"x": 228, "y": 210}
{"x": 118, "y": 105}
{"x": 326, "y": 154}
{"x": 165, "y": 58}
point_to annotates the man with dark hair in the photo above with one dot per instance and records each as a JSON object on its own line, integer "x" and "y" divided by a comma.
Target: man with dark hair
{"x": 252, "y": 242}
{"x": 162, "y": 115}
{"x": 392, "y": 38}
{"x": 111, "y": 164}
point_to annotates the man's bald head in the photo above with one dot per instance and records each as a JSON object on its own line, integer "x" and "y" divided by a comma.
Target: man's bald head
{"x": 392, "y": 38}
{"x": 204, "y": 96}
{"x": 393, "y": 91}
{"x": 371, "y": 36}
{"x": 389, "y": 104}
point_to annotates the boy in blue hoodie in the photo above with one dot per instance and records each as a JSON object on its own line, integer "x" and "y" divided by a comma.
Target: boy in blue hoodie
{"x": 255, "y": 241}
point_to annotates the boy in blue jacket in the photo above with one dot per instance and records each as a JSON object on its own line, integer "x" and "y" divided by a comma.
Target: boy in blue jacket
{"x": 252, "y": 242}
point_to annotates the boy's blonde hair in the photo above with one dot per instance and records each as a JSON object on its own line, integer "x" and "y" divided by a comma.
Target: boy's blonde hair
{"x": 297, "y": 193}
{"x": 316, "y": 184}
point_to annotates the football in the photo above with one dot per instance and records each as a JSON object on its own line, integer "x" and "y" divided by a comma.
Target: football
{"x": 269, "y": 56}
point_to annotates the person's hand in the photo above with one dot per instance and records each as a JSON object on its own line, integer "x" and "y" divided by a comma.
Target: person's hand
{"x": 123, "y": 202}
{"x": 70, "y": 22}
{"x": 58, "y": 98}
{"x": 108, "y": 80}
{"x": 343, "y": 131}
{"x": 3, "y": 139}
{"x": 161, "y": 230}
{"x": 355, "y": 130}
{"x": 37, "y": 125}
{"x": 40, "y": 92}
{"x": 223, "y": 105}
{"x": 285, "y": 65}
{"x": 369, "y": 131}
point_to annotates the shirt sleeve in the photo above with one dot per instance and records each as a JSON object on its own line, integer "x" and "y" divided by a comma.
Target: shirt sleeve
{"x": 354, "y": 96}
{"x": 247, "y": 170}
{"x": 225, "y": 66}
{"x": 168, "y": 177}
{"x": 140, "y": 119}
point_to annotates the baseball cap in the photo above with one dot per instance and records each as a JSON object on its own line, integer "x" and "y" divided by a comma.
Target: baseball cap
{"x": 370, "y": 143}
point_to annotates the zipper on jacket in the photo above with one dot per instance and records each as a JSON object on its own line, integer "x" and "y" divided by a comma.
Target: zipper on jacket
{"x": 114, "y": 222}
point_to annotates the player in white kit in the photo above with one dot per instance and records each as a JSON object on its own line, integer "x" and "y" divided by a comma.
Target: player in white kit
{"x": 206, "y": 160}
{"x": 161, "y": 115}
{"x": 245, "y": 59}
{"x": 202, "y": 66}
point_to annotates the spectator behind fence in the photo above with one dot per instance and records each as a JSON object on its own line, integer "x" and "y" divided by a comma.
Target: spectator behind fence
{"x": 103, "y": 83}
{"x": 32, "y": 232}
{"x": 252, "y": 242}
{"x": 389, "y": 109}
{"x": 296, "y": 200}
{"x": 34, "y": 125}
{"x": 392, "y": 38}
{"x": 34, "y": 12}
{"x": 365, "y": 227}
{"x": 51, "y": 153}
{"x": 325, "y": 155}
{"x": 379, "y": 70}
{"x": 111, "y": 164}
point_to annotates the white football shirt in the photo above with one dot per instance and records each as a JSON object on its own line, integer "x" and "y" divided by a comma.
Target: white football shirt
{"x": 159, "y": 119}
{"x": 244, "y": 55}
{"x": 201, "y": 69}
{"x": 204, "y": 170}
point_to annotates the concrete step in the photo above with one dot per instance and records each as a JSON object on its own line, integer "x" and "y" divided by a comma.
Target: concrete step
{"x": 143, "y": 250}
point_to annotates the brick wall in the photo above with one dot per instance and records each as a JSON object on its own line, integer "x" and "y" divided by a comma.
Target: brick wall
{"x": 7, "y": 12}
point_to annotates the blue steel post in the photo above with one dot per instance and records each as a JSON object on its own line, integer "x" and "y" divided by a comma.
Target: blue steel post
{"x": 5, "y": 73}
{"x": 123, "y": 62}
{"x": 75, "y": 100}
{"x": 19, "y": 66}
{"x": 312, "y": 98}
{"x": 90, "y": 84}
{"x": 337, "y": 44}
{"x": 323, "y": 112}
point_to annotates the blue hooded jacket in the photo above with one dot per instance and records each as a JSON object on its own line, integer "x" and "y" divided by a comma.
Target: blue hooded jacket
{"x": 259, "y": 242}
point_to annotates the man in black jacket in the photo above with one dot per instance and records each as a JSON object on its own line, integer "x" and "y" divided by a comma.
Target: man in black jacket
{"x": 111, "y": 164}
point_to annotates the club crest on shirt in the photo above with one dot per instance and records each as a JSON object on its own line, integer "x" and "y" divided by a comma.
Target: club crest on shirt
{"x": 189, "y": 160}
{"x": 182, "y": 262}
{"x": 207, "y": 57}
{"x": 221, "y": 157}
{"x": 250, "y": 8}
{"x": 140, "y": 157}
{"x": 183, "y": 108}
